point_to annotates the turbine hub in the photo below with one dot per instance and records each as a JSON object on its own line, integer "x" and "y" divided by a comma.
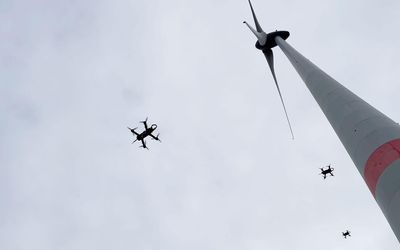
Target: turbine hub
{"x": 271, "y": 39}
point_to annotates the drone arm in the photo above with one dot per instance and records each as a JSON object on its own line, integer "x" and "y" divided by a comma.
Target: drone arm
{"x": 145, "y": 123}
{"x": 133, "y": 130}
{"x": 155, "y": 137}
{"x": 143, "y": 144}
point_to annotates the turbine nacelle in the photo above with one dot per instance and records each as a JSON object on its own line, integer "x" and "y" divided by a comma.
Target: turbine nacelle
{"x": 270, "y": 39}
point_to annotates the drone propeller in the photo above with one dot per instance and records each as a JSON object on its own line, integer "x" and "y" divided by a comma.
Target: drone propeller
{"x": 144, "y": 120}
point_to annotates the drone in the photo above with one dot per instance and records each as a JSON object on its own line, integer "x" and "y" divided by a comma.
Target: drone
{"x": 345, "y": 234}
{"x": 147, "y": 132}
{"x": 327, "y": 171}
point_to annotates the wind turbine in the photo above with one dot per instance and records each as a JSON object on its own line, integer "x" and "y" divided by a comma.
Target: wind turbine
{"x": 265, "y": 43}
{"x": 371, "y": 139}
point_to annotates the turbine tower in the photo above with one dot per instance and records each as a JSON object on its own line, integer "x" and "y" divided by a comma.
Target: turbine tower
{"x": 371, "y": 138}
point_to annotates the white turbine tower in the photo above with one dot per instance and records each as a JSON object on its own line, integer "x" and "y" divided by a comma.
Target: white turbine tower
{"x": 371, "y": 138}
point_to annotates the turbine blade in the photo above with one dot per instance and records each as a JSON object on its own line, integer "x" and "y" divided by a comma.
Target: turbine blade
{"x": 261, "y": 36}
{"x": 258, "y": 27}
{"x": 270, "y": 59}
{"x": 252, "y": 30}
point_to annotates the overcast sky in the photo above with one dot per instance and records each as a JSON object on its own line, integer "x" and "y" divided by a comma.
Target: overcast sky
{"x": 74, "y": 74}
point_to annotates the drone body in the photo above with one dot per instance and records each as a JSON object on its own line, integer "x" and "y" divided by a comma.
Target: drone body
{"x": 147, "y": 132}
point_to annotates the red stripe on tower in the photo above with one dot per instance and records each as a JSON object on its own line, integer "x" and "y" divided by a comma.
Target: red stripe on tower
{"x": 378, "y": 161}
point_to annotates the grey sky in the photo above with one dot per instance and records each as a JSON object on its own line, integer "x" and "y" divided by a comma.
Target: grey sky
{"x": 74, "y": 74}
